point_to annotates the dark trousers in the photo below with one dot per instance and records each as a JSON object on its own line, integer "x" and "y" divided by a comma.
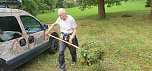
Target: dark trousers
{"x": 72, "y": 52}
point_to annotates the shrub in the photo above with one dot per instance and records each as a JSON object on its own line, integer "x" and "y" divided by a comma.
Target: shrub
{"x": 91, "y": 53}
{"x": 147, "y": 3}
{"x": 68, "y": 4}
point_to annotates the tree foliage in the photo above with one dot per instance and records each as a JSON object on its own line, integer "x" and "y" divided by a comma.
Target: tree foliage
{"x": 59, "y": 4}
{"x": 90, "y": 3}
{"x": 101, "y": 5}
{"x": 113, "y": 2}
{"x": 147, "y": 3}
{"x": 51, "y": 3}
{"x": 30, "y": 6}
{"x": 40, "y": 6}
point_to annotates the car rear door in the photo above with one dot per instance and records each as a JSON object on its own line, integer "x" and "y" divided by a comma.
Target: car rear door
{"x": 12, "y": 50}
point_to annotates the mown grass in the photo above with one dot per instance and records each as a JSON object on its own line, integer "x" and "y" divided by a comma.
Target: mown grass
{"x": 125, "y": 41}
{"x": 136, "y": 5}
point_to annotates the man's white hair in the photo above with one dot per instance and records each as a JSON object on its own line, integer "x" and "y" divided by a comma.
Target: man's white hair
{"x": 61, "y": 11}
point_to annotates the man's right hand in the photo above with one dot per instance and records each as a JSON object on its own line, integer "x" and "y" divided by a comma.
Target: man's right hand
{"x": 47, "y": 32}
{"x": 50, "y": 29}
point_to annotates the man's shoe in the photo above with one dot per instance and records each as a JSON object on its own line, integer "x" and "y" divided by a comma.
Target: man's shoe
{"x": 62, "y": 69}
{"x": 73, "y": 63}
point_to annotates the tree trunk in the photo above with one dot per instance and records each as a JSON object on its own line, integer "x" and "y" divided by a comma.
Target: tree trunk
{"x": 150, "y": 15}
{"x": 101, "y": 9}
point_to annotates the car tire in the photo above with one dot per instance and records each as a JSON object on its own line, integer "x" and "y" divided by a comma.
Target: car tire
{"x": 53, "y": 44}
{"x": 1, "y": 69}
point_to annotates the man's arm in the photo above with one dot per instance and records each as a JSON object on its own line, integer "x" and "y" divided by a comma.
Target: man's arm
{"x": 50, "y": 29}
{"x": 19, "y": 33}
{"x": 73, "y": 35}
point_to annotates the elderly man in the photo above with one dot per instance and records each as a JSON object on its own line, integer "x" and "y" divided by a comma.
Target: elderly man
{"x": 68, "y": 33}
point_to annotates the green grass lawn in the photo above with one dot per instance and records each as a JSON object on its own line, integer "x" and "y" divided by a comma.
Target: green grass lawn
{"x": 125, "y": 41}
{"x": 136, "y": 5}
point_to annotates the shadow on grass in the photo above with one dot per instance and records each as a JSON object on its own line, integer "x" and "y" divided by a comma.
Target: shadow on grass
{"x": 37, "y": 59}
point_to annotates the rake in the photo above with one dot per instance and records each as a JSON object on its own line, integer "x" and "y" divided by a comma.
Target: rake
{"x": 64, "y": 41}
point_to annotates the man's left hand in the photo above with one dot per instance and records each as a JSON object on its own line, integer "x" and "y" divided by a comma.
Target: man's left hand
{"x": 70, "y": 40}
{"x": 47, "y": 32}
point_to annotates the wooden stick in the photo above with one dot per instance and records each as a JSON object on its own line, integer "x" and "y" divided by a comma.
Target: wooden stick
{"x": 64, "y": 41}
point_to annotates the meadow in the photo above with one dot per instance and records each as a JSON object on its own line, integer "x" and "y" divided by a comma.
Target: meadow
{"x": 125, "y": 43}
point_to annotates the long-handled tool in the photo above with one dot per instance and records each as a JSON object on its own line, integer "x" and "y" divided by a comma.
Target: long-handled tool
{"x": 64, "y": 41}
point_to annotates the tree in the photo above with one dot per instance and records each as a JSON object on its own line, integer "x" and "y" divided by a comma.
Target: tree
{"x": 30, "y": 6}
{"x": 101, "y": 8}
{"x": 41, "y": 6}
{"x": 147, "y": 3}
{"x": 101, "y": 5}
{"x": 59, "y": 4}
{"x": 51, "y": 3}
{"x": 150, "y": 15}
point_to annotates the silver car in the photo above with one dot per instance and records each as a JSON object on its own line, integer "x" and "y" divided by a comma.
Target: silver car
{"x": 21, "y": 38}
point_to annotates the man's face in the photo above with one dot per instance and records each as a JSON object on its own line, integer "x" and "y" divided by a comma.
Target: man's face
{"x": 62, "y": 16}
{"x": 1, "y": 32}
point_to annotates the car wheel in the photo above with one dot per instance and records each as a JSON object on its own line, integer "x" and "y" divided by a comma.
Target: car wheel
{"x": 54, "y": 44}
{"x": 1, "y": 69}
{"x": 1, "y": 65}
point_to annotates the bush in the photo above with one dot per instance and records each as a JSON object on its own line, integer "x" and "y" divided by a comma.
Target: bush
{"x": 68, "y": 5}
{"x": 30, "y": 6}
{"x": 147, "y": 4}
{"x": 91, "y": 53}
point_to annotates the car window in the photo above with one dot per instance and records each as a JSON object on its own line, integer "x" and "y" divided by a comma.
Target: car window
{"x": 31, "y": 25}
{"x": 9, "y": 28}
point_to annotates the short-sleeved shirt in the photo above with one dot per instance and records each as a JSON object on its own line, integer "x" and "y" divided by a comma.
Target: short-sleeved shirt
{"x": 66, "y": 26}
{"x": 7, "y": 35}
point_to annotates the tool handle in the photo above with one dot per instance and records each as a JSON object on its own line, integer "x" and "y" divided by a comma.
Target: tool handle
{"x": 64, "y": 41}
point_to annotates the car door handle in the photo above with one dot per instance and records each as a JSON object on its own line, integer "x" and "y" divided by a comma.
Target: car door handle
{"x": 31, "y": 39}
{"x": 22, "y": 42}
